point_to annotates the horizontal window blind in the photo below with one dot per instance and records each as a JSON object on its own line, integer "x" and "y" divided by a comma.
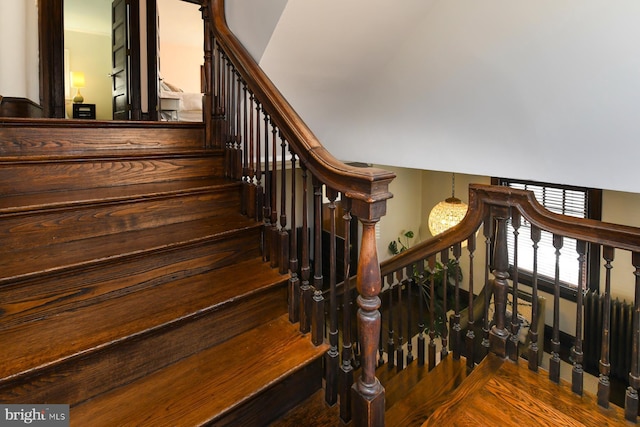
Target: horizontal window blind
{"x": 561, "y": 200}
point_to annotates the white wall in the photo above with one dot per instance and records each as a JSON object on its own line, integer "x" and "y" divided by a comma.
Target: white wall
{"x": 484, "y": 83}
{"x": 253, "y": 22}
{"x": 181, "y": 44}
{"x": 91, "y": 54}
{"x": 19, "y": 66}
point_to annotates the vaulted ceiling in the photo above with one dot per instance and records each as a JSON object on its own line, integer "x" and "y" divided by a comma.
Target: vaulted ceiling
{"x": 541, "y": 90}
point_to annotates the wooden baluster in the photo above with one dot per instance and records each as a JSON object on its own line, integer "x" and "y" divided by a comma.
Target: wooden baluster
{"x": 499, "y": 334}
{"x": 245, "y": 160}
{"x": 456, "y": 330}
{"x": 444, "y": 258}
{"x": 381, "y": 343}
{"x": 251, "y": 197}
{"x": 554, "y": 362}
{"x": 346, "y": 369}
{"x": 410, "y": 282}
{"x": 421, "y": 325}
{"x": 283, "y": 234}
{"x": 317, "y": 312}
{"x": 318, "y": 280}
{"x": 368, "y": 393}
{"x": 513, "y": 343}
{"x": 207, "y": 99}
{"x": 331, "y": 358}
{"x": 487, "y": 230}
{"x": 400, "y": 311}
{"x": 259, "y": 188}
{"x": 533, "y": 330}
{"x": 604, "y": 365}
{"x": 306, "y": 291}
{"x": 228, "y": 118}
{"x": 237, "y": 152}
{"x": 274, "y": 250}
{"x": 266, "y": 210}
{"x": 470, "y": 337}
{"x": 432, "y": 313}
{"x": 391, "y": 346}
{"x": 294, "y": 282}
{"x": 631, "y": 395}
{"x": 217, "y": 88}
{"x": 576, "y": 351}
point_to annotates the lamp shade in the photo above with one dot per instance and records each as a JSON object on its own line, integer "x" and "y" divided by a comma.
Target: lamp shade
{"x": 446, "y": 214}
{"x": 77, "y": 79}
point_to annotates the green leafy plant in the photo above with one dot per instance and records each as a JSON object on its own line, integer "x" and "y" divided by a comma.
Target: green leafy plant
{"x": 453, "y": 270}
{"x": 403, "y": 245}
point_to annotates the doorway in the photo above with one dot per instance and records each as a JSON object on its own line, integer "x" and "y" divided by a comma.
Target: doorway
{"x": 144, "y": 90}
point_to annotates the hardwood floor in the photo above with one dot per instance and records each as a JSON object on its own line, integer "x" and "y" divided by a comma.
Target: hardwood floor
{"x": 503, "y": 393}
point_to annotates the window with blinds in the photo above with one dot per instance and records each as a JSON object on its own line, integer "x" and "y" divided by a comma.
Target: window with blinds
{"x": 566, "y": 200}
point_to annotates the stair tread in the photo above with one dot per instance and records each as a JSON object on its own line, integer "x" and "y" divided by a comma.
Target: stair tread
{"x": 37, "y": 344}
{"x": 80, "y": 253}
{"x": 60, "y": 199}
{"x": 205, "y": 386}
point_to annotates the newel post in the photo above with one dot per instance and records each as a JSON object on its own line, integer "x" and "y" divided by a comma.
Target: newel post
{"x": 499, "y": 333}
{"x": 367, "y": 393}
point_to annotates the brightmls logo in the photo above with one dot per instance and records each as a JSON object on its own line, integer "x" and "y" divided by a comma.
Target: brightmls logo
{"x": 34, "y": 415}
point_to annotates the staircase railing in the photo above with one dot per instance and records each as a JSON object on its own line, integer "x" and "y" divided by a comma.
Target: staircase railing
{"x": 491, "y": 209}
{"x": 288, "y": 179}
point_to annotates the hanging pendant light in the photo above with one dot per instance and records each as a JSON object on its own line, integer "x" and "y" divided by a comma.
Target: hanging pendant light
{"x": 447, "y": 213}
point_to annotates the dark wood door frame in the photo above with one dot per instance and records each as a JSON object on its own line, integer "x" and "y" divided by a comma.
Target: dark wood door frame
{"x": 51, "y": 45}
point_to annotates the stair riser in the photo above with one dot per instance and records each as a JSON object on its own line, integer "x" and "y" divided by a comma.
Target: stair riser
{"x": 60, "y": 226}
{"x": 60, "y": 138}
{"x": 277, "y": 400}
{"x": 33, "y": 177}
{"x": 80, "y": 379}
{"x": 51, "y": 294}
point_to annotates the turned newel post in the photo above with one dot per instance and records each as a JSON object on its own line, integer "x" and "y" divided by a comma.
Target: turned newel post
{"x": 367, "y": 392}
{"x": 499, "y": 333}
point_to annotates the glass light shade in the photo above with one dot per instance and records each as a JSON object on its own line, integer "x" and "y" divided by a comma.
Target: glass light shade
{"x": 77, "y": 79}
{"x": 446, "y": 214}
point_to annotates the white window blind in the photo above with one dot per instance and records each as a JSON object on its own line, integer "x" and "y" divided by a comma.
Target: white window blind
{"x": 559, "y": 200}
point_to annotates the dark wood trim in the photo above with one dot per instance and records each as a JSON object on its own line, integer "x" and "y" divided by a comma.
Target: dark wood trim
{"x": 152, "y": 60}
{"x": 51, "y": 45}
{"x": 19, "y": 107}
{"x": 135, "y": 84}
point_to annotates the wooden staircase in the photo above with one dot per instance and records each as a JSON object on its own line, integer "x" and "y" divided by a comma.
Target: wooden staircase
{"x": 132, "y": 288}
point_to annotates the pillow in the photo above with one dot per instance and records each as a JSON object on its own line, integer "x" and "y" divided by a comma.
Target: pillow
{"x": 169, "y": 87}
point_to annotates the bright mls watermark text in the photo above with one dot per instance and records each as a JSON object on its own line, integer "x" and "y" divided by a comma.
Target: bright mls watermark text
{"x": 34, "y": 415}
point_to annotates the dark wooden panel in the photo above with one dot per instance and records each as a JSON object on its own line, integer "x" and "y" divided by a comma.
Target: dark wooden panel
{"x": 80, "y": 254}
{"x": 27, "y": 138}
{"x": 40, "y": 177}
{"x": 19, "y": 107}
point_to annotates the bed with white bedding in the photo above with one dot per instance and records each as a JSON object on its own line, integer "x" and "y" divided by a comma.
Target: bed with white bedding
{"x": 188, "y": 108}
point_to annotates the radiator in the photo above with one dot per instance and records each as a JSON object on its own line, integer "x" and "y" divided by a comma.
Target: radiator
{"x": 620, "y": 343}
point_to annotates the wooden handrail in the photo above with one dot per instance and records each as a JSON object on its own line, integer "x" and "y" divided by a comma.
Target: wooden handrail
{"x": 482, "y": 197}
{"x": 369, "y": 186}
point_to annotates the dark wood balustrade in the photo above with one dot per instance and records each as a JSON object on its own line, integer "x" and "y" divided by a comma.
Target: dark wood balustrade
{"x": 490, "y": 209}
{"x": 287, "y": 176}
